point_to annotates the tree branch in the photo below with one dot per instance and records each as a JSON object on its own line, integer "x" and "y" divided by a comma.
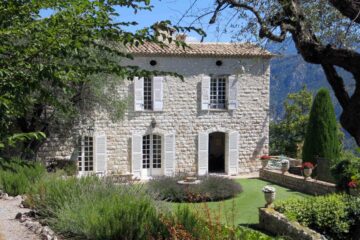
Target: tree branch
{"x": 337, "y": 85}
{"x": 348, "y": 8}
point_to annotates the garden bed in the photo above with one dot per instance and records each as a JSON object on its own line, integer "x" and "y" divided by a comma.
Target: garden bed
{"x": 203, "y": 189}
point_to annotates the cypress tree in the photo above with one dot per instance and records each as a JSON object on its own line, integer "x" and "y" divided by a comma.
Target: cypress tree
{"x": 322, "y": 144}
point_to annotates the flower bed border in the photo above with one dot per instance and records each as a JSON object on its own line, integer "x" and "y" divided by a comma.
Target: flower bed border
{"x": 297, "y": 183}
{"x": 277, "y": 223}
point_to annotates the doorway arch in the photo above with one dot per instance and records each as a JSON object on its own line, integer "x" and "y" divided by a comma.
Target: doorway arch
{"x": 216, "y": 156}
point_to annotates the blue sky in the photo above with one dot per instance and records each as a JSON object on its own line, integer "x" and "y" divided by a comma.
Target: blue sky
{"x": 174, "y": 10}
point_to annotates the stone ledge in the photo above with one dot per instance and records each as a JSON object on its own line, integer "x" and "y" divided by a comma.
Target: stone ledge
{"x": 298, "y": 183}
{"x": 276, "y": 223}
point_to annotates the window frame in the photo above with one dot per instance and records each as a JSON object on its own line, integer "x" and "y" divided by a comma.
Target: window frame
{"x": 218, "y": 101}
{"x": 86, "y": 150}
{"x": 148, "y": 86}
{"x": 152, "y": 156}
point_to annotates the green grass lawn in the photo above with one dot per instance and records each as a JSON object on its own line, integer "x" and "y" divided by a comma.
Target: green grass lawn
{"x": 243, "y": 209}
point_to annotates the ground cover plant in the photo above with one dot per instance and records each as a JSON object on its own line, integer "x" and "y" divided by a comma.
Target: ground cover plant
{"x": 93, "y": 208}
{"x": 211, "y": 188}
{"x": 337, "y": 216}
{"x": 16, "y": 176}
{"x": 242, "y": 209}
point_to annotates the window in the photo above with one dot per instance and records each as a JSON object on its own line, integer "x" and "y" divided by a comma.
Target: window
{"x": 151, "y": 152}
{"x": 218, "y": 93}
{"x": 85, "y": 154}
{"x": 148, "y": 93}
{"x": 148, "y": 101}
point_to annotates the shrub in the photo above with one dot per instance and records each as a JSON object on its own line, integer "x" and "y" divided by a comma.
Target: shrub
{"x": 94, "y": 209}
{"x": 321, "y": 139}
{"x": 346, "y": 169}
{"x": 211, "y": 188}
{"x": 16, "y": 176}
{"x": 332, "y": 215}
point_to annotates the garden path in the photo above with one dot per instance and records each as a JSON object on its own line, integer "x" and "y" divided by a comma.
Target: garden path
{"x": 11, "y": 229}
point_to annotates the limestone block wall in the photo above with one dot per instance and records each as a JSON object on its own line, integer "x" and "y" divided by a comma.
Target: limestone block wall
{"x": 183, "y": 116}
{"x": 298, "y": 183}
{"x": 276, "y": 223}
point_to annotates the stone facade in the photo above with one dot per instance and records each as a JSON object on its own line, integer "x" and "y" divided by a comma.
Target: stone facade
{"x": 298, "y": 183}
{"x": 182, "y": 114}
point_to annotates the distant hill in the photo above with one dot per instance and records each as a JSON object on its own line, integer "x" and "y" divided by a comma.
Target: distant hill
{"x": 290, "y": 72}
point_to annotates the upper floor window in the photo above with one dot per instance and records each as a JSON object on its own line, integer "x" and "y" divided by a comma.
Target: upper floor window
{"x": 148, "y": 90}
{"x": 218, "y": 93}
{"x": 148, "y": 93}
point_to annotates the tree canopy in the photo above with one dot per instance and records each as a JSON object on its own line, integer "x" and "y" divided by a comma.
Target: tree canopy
{"x": 54, "y": 68}
{"x": 322, "y": 145}
{"x": 287, "y": 135}
{"x": 325, "y": 32}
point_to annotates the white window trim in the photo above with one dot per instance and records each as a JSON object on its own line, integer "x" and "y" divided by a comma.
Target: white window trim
{"x": 218, "y": 78}
{"x": 157, "y": 171}
{"x": 82, "y": 156}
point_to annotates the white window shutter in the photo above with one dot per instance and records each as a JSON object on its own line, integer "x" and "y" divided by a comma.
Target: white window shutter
{"x": 157, "y": 93}
{"x": 232, "y": 89}
{"x": 136, "y": 155}
{"x": 138, "y": 94}
{"x": 233, "y": 152}
{"x": 169, "y": 154}
{"x": 205, "y": 92}
{"x": 100, "y": 153}
{"x": 203, "y": 153}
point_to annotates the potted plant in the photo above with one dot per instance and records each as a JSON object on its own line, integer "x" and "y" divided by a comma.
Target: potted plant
{"x": 285, "y": 165}
{"x": 269, "y": 194}
{"x": 264, "y": 160}
{"x": 354, "y": 186}
{"x": 307, "y": 168}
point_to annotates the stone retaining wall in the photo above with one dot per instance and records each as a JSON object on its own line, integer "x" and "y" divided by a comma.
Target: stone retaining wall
{"x": 298, "y": 183}
{"x": 276, "y": 223}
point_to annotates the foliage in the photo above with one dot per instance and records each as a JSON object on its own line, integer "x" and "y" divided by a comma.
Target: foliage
{"x": 321, "y": 34}
{"x": 287, "y": 135}
{"x": 333, "y": 215}
{"x": 321, "y": 139}
{"x": 66, "y": 63}
{"x": 90, "y": 208}
{"x": 211, "y": 188}
{"x": 346, "y": 169}
{"x": 16, "y": 176}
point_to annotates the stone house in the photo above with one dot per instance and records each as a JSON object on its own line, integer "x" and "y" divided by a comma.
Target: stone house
{"x": 216, "y": 120}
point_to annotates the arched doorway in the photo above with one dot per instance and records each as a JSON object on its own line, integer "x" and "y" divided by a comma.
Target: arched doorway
{"x": 217, "y": 152}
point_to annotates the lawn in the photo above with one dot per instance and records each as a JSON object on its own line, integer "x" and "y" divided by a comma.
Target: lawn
{"x": 242, "y": 209}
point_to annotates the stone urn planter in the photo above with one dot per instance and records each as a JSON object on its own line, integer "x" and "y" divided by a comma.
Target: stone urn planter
{"x": 307, "y": 173}
{"x": 307, "y": 168}
{"x": 269, "y": 194}
{"x": 285, "y": 165}
{"x": 264, "y": 161}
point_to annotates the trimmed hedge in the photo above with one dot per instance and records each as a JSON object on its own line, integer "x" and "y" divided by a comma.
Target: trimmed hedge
{"x": 211, "y": 188}
{"x": 336, "y": 216}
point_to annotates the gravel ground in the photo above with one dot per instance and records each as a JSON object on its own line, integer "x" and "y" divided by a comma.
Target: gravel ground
{"x": 10, "y": 228}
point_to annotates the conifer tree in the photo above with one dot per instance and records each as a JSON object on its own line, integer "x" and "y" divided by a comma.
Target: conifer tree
{"x": 322, "y": 144}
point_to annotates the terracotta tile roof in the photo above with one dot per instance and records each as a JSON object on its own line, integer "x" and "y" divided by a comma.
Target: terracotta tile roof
{"x": 202, "y": 49}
